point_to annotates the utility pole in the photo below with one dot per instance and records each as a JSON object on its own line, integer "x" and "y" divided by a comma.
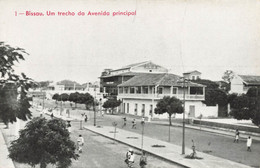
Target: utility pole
{"x": 94, "y": 106}
{"x": 142, "y": 144}
{"x": 183, "y": 127}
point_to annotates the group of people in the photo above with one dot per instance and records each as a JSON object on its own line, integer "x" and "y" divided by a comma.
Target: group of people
{"x": 248, "y": 142}
{"x": 130, "y": 159}
{"x": 133, "y": 122}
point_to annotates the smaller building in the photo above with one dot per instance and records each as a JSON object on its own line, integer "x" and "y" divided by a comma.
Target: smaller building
{"x": 192, "y": 75}
{"x": 241, "y": 83}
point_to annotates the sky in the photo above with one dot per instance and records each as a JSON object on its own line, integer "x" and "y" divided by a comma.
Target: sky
{"x": 210, "y": 36}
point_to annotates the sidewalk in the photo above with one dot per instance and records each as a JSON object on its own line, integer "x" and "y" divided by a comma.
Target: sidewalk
{"x": 170, "y": 152}
{"x": 5, "y": 162}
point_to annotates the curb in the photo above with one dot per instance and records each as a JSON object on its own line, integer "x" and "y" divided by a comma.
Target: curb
{"x": 161, "y": 157}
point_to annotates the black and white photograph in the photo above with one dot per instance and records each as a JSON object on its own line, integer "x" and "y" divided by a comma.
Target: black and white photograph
{"x": 130, "y": 84}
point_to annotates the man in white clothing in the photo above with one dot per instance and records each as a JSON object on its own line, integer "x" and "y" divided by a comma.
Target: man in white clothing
{"x": 249, "y": 143}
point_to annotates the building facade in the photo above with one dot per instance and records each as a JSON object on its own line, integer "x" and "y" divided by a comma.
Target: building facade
{"x": 110, "y": 79}
{"x": 192, "y": 75}
{"x": 140, "y": 94}
{"x": 241, "y": 83}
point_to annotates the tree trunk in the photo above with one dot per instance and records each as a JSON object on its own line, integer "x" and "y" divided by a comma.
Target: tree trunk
{"x": 112, "y": 109}
{"x": 43, "y": 165}
{"x": 170, "y": 119}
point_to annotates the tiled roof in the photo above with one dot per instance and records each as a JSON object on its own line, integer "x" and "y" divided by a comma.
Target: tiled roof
{"x": 251, "y": 80}
{"x": 132, "y": 65}
{"x": 124, "y": 74}
{"x": 191, "y": 72}
{"x": 152, "y": 79}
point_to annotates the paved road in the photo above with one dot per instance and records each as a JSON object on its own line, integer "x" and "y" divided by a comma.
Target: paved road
{"x": 98, "y": 151}
{"x": 214, "y": 144}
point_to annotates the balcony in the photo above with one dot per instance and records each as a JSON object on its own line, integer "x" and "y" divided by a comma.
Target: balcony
{"x": 160, "y": 96}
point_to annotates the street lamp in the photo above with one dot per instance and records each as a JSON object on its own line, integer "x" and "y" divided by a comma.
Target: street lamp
{"x": 142, "y": 144}
{"x": 183, "y": 127}
{"x": 94, "y": 106}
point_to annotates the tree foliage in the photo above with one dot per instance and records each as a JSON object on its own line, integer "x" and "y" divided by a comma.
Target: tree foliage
{"x": 56, "y": 97}
{"x": 14, "y": 102}
{"x": 44, "y": 142}
{"x": 228, "y": 76}
{"x": 247, "y": 106}
{"x": 214, "y": 95}
{"x": 170, "y": 105}
{"x": 112, "y": 104}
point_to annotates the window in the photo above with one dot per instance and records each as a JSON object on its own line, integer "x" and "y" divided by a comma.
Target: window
{"x": 125, "y": 89}
{"x": 145, "y": 89}
{"x": 132, "y": 90}
{"x": 193, "y": 77}
{"x": 174, "y": 90}
{"x": 120, "y": 90}
{"x": 160, "y": 90}
{"x": 196, "y": 90}
{"x": 138, "y": 89}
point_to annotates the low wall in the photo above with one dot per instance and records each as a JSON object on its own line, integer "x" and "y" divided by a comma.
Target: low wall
{"x": 227, "y": 126}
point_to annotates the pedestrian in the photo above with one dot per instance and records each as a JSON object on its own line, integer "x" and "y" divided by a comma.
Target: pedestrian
{"x": 80, "y": 143}
{"x": 124, "y": 120}
{"x": 143, "y": 120}
{"x": 143, "y": 160}
{"x": 236, "y": 136}
{"x": 86, "y": 117}
{"x": 130, "y": 158}
{"x": 102, "y": 113}
{"x": 134, "y": 124}
{"x": 249, "y": 143}
{"x": 69, "y": 127}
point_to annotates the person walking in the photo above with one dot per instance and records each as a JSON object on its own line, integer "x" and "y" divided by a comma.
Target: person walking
{"x": 69, "y": 127}
{"x": 249, "y": 143}
{"x": 80, "y": 143}
{"x": 130, "y": 158}
{"x": 236, "y": 136}
{"x": 134, "y": 124}
{"x": 86, "y": 117}
{"x": 124, "y": 120}
{"x": 143, "y": 160}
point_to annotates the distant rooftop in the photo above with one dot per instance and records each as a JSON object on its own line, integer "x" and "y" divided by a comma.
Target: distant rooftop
{"x": 250, "y": 80}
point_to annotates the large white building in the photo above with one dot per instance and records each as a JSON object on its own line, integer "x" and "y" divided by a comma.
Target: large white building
{"x": 140, "y": 94}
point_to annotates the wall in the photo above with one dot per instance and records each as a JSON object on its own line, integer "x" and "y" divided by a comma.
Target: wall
{"x": 236, "y": 85}
{"x": 200, "y": 108}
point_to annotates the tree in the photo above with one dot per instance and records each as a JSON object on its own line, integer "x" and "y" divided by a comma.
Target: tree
{"x": 247, "y": 106}
{"x": 13, "y": 87}
{"x": 56, "y": 97}
{"x": 74, "y": 98}
{"x": 240, "y": 107}
{"x": 86, "y": 99}
{"x": 254, "y": 104}
{"x": 228, "y": 76}
{"x": 64, "y": 97}
{"x": 111, "y": 103}
{"x": 214, "y": 96}
{"x": 170, "y": 105}
{"x": 44, "y": 142}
